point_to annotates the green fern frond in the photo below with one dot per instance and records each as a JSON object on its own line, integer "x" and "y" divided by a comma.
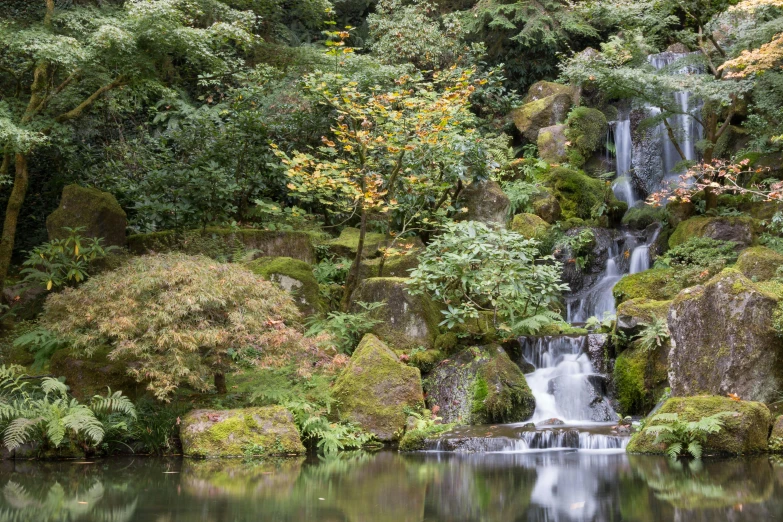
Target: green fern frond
{"x": 50, "y": 385}
{"x": 694, "y": 448}
{"x": 113, "y": 403}
{"x": 18, "y": 431}
{"x": 83, "y": 421}
{"x": 673, "y": 450}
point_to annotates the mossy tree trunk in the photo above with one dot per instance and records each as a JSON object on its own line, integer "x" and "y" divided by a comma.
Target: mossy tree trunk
{"x": 21, "y": 180}
{"x": 352, "y": 280}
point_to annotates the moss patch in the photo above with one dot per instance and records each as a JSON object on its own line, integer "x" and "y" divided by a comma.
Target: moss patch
{"x": 642, "y": 216}
{"x": 657, "y": 284}
{"x": 348, "y": 243}
{"x": 577, "y": 193}
{"x": 231, "y": 433}
{"x": 640, "y": 376}
{"x": 738, "y": 229}
{"x": 759, "y": 263}
{"x": 585, "y": 128}
{"x": 98, "y": 212}
{"x": 294, "y": 276}
{"x": 529, "y": 225}
{"x": 745, "y": 430}
{"x": 375, "y": 388}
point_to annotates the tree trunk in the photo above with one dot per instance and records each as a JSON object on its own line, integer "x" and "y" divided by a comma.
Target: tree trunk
{"x": 12, "y": 216}
{"x": 352, "y": 281}
{"x": 220, "y": 383}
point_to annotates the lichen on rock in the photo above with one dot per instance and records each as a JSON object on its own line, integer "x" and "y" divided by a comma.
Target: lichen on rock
{"x": 745, "y": 429}
{"x": 759, "y": 263}
{"x": 739, "y": 229}
{"x": 294, "y": 276}
{"x": 529, "y": 225}
{"x": 485, "y": 202}
{"x": 231, "y": 433}
{"x": 375, "y": 388}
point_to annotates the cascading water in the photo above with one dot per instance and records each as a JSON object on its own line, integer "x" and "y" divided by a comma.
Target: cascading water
{"x": 623, "y": 189}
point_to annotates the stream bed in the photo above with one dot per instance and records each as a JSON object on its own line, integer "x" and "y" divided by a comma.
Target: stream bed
{"x": 396, "y": 487}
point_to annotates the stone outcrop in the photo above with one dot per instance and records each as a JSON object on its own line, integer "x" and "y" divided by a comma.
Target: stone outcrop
{"x": 723, "y": 340}
{"x": 97, "y": 212}
{"x": 745, "y": 427}
{"x": 546, "y": 104}
{"x": 264, "y": 431}
{"x": 632, "y": 314}
{"x": 295, "y": 277}
{"x": 486, "y": 203}
{"x": 375, "y": 388}
{"x": 529, "y": 225}
{"x": 759, "y": 263}
{"x": 480, "y": 386}
{"x": 551, "y": 144}
{"x": 740, "y": 230}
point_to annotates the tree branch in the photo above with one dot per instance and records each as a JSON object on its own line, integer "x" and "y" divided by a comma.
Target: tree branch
{"x": 77, "y": 111}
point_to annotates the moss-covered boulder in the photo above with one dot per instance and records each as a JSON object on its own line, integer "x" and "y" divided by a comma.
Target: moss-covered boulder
{"x": 375, "y": 388}
{"x": 232, "y": 433}
{"x": 293, "y": 276}
{"x": 656, "y": 284}
{"x": 745, "y": 429}
{"x": 759, "y": 263}
{"x": 578, "y": 194}
{"x": 485, "y": 202}
{"x": 640, "y": 376}
{"x": 585, "y": 130}
{"x": 480, "y": 386}
{"x": 398, "y": 264}
{"x": 544, "y": 89}
{"x": 776, "y": 435}
{"x": 529, "y": 225}
{"x": 221, "y": 243}
{"x": 537, "y": 114}
{"x": 631, "y": 314}
{"x": 347, "y": 243}
{"x": 740, "y": 230}
{"x": 88, "y": 376}
{"x": 723, "y": 339}
{"x": 98, "y": 212}
{"x": 679, "y": 211}
{"x": 642, "y": 216}
{"x": 546, "y": 206}
{"x": 551, "y": 142}
{"x": 406, "y": 321}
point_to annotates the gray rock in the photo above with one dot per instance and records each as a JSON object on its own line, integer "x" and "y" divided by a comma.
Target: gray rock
{"x": 723, "y": 341}
{"x": 97, "y": 212}
{"x": 647, "y": 163}
{"x": 486, "y": 203}
{"x": 552, "y": 144}
{"x": 580, "y": 397}
{"x": 596, "y": 352}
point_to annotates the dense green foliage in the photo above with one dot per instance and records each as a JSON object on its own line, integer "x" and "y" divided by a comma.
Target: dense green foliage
{"x": 683, "y": 438}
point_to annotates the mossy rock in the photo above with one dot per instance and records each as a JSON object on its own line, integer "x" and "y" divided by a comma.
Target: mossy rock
{"x": 221, "y": 243}
{"x": 578, "y": 194}
{"x": 776, "y": 436}
{"x": 759, "y": 263}
{"x": 447, "y": 342}
{"x": 480, "y": 386}
{"x": 656, "y": 284}
{"x": 745, "y": 429}
{"x": 375, "y": 388}
{"x": 406, "y": 321}
{"x": 529, "y": 225}
{"x": 551, "y": 144}
{"x": 541, "y": 112}
{"x": 293, "y": 276}
{"x": 740, "y": 230}
{"x": 543, "y": 89}
{"x": 89, "y": 376}
{"x": 425, "y": 360}
{"x": 348, "y": 243}
{"x": 486, "y": 202}
{"x": 266, "y": 431}
{"x": 640, "y": 376}
{"x": 546, "y": 206}
{"x": 481, "y": 329}
{"x": 98, "y": 212}
{"x": 631, "y": 314}
{"x": 642, "y": 216}
{"x": 723, "y": 340}
{"x": 585, "y": 130}
{"x": 679, "y": 211}
{"x": 399, "y": 265}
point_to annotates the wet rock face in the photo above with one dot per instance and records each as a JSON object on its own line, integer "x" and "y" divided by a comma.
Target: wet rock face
{"x": 647, "y": 165}
{"x": 480, "y": 386}
{"x": 486, "y": 203}
{"x": 723, "y": 341}
{"x": 597, "y": 348}
{"x": 375, "y": 388}
{"x": 599, "y": 251}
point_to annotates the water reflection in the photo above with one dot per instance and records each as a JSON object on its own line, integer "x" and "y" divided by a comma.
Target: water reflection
{"x": 358, "y": 487}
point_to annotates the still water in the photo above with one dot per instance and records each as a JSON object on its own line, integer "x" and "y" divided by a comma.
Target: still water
{"x": 387, "y": 486}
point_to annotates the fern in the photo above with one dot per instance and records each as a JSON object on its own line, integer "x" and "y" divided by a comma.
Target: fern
{"x": 113, "y": 403}
{"x": 534, "y": 323}
{"x": 682, "y": 438}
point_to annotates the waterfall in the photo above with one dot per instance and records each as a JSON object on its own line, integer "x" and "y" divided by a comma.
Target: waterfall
{"x": 623, "y": 189}
{"x": 640, "y": 256}
{"x": 564, "y": 382}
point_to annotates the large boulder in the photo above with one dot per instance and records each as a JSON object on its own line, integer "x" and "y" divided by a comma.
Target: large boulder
{"x": 546, "y": 206}
{"x": 375, "y": 389}
{"x": 640, "y": 376}
{"x": 546, "y": 104}
{"x": 293, "y": 276}
{"x": 740, "y": 230}
{"x": 579, "y": 195}
{"x": 347, "y": 244}
{"x": 552, "y": 144}
{"x": 585, "y": 132}
{"x": 759, "y": 263}
{"x": 633, "y": 313}
{"x": 402, "y": 257}
{"x": 222, "y": 243}
{"x": 406, "y": 321}
{"x": 486, "y": 203}
{"x": 529, "y": 225}
{"x": 480, "y": 386}
{"x": 98, "y": 212}
{"x": 656, "y": 284}
{"x": 232, "y": 433}
{"x": 745, "y": 428}
{"x": 723, "y": 340}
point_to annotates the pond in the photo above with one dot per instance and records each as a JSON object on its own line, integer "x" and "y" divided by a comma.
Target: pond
{"x": 394, "y": 487}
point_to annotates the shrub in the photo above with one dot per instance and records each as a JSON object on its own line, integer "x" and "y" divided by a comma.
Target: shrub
{"x": 346, "y": 328}
{"x": 177, "y": 319}
{"x": 701, "y": 252}
{"x": 471, "y": 268}
{"x": 654, "y": 334}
